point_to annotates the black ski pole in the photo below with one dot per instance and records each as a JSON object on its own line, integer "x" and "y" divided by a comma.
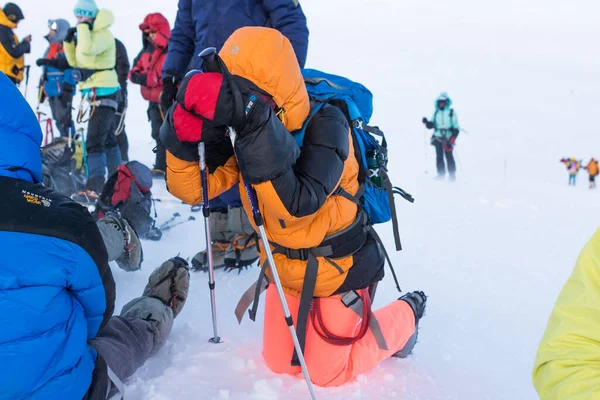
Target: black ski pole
{"x": 211, "y": 266}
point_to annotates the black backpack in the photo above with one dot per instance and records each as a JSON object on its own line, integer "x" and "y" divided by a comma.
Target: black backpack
{"x": 60, "y": 157}
{"x": 128, "y": 192}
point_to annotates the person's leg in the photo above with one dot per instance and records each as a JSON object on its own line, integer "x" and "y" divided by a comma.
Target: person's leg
{"x": 451, "y": 163}
{"x": 221, "y": 241}
{"x": 57, "y": 114}
{"x": 111, "y": 149}
{"x": 156, "y": 120}
{"x": 328, "y": 364}
{"x": 439, "y": 156}
{"x": 243, "y": 252}
{"x": 128, "y": 340}
{"x": 121, "y": 241}
{"x": 98, "y": 129}
{"x": 63, "y": 116}
{"x": 122, "y": 139}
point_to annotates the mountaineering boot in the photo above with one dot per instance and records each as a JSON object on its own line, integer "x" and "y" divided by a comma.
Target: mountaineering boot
{"x": 242, "y": 254}
{"x": 132, "y": 257}
{"x": 417, "y": 301}
{"x": 170, "y": 284}
{"x": 219, "y": 249}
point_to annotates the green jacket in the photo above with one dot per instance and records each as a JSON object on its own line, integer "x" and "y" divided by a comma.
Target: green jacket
{"x": 95, "y": 49}
{"x": 567, "y": 366}
{"x": 445, "y": 119}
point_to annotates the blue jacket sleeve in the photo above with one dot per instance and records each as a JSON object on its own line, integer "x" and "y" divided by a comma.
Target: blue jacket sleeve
{"x": 288, "y": 18}
{"x": 85, "y": 283}
{"x": 182, "y": 43}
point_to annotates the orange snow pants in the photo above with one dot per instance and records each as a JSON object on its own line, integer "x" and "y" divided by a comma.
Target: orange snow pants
{"x": 328, "y": 364}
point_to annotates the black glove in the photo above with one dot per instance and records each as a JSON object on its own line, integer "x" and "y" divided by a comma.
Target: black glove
{"x": 428, "y": 124}
{"x": 168, "y": 94}
{"x": 66, "y": 95}
{"x": 454, "y": 132}
{"x": 41, "y": 62}
{"x": 70, "y": 34}
{"x": 141, "y": 79}
{"x": 89, "y": 24}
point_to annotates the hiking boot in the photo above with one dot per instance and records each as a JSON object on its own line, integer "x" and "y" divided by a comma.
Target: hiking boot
{"x": 153, "y": 234}
{"x": 417, "y": 302}
{"x": 219, "y": 249}
{"x": 158, "y": 173}
{"x": 243, "y": 253}
{"x": 132, "y": 257}
{"x": 170, "y": 284}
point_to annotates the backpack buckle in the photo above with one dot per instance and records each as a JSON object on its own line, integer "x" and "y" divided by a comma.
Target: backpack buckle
{"x": 357, "y": 123}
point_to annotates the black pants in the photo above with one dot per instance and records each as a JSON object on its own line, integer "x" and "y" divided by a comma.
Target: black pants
{"x": 127, "y": 341}
{"x": 156, "y": 120}
{"x": 122, "y": 139}
{"x": 442, "y": 150}
{"x": 101, "y": 144}
{"x": 61, "y": 113}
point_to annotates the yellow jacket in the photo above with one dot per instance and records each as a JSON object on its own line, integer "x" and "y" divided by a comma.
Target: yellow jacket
{"x": 96, "y": 50}
{"x": 12, "y": 59}
{"x": 567, "y": 366}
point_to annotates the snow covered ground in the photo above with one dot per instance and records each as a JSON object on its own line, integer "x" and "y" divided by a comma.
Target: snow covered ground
{"x": 492, "y": 250}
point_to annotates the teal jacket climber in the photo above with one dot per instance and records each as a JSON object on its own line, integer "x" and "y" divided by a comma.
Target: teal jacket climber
{"x": 444, "y": 119}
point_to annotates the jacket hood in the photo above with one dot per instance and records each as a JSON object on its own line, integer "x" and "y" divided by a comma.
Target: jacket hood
{"x": 157, "y": 22}
{"x": 20, "y": 135}
{"x": 5, "y": 21}
{"x": 104, "y": 19}
{"x": 266, "y": 58}
{"x": 62, "y": 28}
{"x": 443, "y": 96}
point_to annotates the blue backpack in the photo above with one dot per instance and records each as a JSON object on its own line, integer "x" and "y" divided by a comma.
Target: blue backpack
{"x": 356, "y": 102}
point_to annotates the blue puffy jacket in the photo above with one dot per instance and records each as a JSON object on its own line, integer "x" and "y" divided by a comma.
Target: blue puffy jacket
{"x": 208, "y": 23}
{"x": 56, "y": 289}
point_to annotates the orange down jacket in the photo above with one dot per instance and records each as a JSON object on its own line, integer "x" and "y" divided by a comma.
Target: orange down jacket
{"x": 296, "y": 191}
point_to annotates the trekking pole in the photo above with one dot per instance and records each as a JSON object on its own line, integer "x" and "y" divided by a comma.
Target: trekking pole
{"x": 27, "y": 68}
{"x": 206, "y": 213}
{"x": 258, "y": 220}
{"x": 168, "y": 227}
{"x": 84, "y": 150}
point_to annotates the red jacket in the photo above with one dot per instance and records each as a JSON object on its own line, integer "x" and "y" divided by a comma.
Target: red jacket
{"x": 152, "y": 57}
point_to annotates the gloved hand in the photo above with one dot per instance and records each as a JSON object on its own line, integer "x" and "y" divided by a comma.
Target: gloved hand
{"x": 428, "y": 124}
{"x": 168, "y": 94}
{"x": 138, "y": 78}
{"x": 70, "y": 34}
{"x": 454, "y": 132}
{"x": 452, "y": 140}
{"x": 41, "y": 62}
{"x": 89, "y": 23}
{"x": 27, "y": 39}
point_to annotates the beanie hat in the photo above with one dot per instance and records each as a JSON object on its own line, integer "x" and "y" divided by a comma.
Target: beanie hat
{"x": 86, "y": 8}
{"x": 13, "y": 12}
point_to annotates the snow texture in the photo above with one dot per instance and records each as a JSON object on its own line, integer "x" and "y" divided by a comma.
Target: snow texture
{"x": 492, "y": 250}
